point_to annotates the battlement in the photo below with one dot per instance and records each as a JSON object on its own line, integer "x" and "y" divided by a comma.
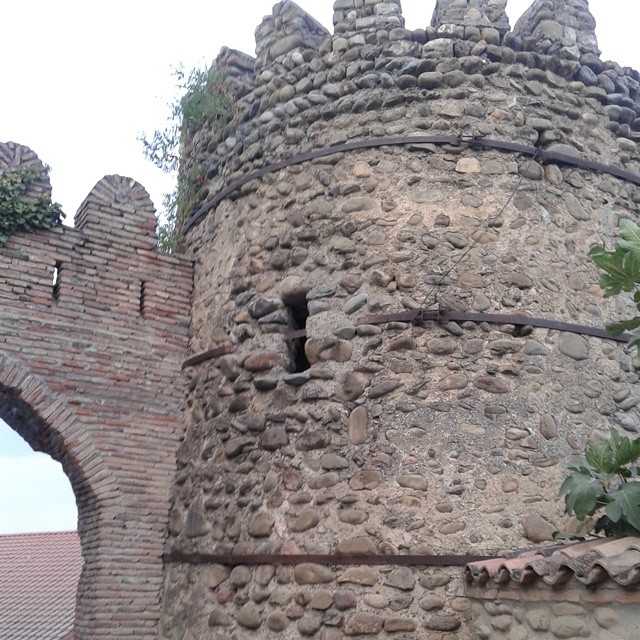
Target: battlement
{"x": 303, "y": 77}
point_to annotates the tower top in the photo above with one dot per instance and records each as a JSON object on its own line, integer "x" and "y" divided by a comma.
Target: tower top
{"x": 559, "y": 27}
{"x": 471, "y": 13}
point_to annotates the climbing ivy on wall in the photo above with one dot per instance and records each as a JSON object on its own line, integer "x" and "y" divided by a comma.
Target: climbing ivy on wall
{"x": 20, "y": 211}
{"x": 202, "y": 101}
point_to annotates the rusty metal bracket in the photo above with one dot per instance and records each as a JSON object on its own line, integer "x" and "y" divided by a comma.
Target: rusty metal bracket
{"x": 177, "y": 556}
{"x": 208, "y": 355}
{"x": 442, "y": 316}
{"x": 371, "y": 143}
{"x": 451, "y": 315}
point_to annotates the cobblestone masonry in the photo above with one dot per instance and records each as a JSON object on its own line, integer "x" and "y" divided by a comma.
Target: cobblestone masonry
{"x": 570, "y": 611}
{"x": 89, "y": 373}
{"x": 395, "y": 438}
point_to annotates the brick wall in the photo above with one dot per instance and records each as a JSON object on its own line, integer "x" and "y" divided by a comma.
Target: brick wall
{"x": 90, "y": 373}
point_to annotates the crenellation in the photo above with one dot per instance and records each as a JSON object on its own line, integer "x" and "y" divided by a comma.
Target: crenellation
{"x": 566, "y": 28}
{"x": 463, "y": 17}
{"x": 289, "y": 33}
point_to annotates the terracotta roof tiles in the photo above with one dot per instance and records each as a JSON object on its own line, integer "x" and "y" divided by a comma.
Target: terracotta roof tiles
{"x": 39, "y": 575}
{"x": 591, "y": 563}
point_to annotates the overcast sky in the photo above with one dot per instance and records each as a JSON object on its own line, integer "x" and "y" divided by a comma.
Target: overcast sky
{"x": 81, "y": 80}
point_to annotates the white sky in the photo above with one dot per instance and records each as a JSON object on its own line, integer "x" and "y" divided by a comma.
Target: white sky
{"x": 81, "y": 80}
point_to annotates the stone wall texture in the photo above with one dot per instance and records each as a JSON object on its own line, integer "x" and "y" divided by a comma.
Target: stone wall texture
{"x": 395, "y": 438}
{"x": 548, "y": 613}
{"x": 89, "y": 373}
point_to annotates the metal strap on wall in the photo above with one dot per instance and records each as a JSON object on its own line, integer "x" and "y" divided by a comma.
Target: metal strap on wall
{"x": 371, "y": 143}
{"x": 177, "y": 556}
{"x": 442, "y": 316}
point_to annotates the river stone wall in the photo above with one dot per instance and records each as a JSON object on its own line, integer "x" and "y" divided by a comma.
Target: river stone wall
{"x": 393, "y": 438}
{"x": 571, "y": 610}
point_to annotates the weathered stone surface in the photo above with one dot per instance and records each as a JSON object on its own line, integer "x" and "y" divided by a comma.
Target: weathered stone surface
{"x": 249, "y": 616}
{"x": 492, "y": 384}
{"x": 395, "y": 624}
{"x": 365, "y": 479}
{"x": 274, "y": 438}
{"x": 356, "y": 545}
{"x": 537, "y": 529}
{"x": 352, "y": 385}
{"x": 402, "y": 578}
{"x": 573, "y": 346}
{"x": 261, "y": 525}
{"x": 333, "y": 461}
{"x": 413, "y": 482}
{"x": 569, "y": 627}
{"x": 442, "y": 623}
{"x": 360, "y": 575}
{"x": 196, "y": 524}
{"x": 219, "y": 618}
{"x": 308, "y": 519}
{"x": 325, "y": 349}
{"x": 384, "y": 388}
{"x": 357, "y": 428}
{"x": 548, "y": 426}
{"x": 362, "y": 623}
{"x": 312, "y": 574}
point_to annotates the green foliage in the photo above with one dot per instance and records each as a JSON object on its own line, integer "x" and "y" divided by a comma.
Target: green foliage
{"x": 622, "y": 274}
{"x": 605, "y": 484}
{"x": 19, "y": 211}
{"x": 203, "y": 101}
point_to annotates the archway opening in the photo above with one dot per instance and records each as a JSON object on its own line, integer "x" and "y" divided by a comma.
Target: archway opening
{"x": 35, "y": 493}
{"x": 40, "y": 549}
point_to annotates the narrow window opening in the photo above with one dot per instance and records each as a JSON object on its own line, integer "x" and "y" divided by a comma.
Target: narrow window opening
{"x": 299, "y": 315}
{"x": 142, "y": 300}
{"x": 55, "y": 287}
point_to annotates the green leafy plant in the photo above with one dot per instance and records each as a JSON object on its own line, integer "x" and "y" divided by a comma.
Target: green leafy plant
{"x": 202, "y": 101}
{"x": 605, "y": 484}
{"x": 622, "y": 274}
{"x": 19, "y": 211}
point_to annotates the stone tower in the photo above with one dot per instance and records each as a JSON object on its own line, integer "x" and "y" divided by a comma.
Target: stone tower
{"x": 461, "y": 169}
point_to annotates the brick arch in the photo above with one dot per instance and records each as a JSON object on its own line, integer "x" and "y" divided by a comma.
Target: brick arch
{"x": 44, "y": 419}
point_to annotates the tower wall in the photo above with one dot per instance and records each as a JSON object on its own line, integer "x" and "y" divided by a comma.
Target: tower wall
{"x": 394, "y": 438}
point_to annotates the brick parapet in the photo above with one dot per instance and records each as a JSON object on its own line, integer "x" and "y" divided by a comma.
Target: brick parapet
{"x": 90, "y": 373}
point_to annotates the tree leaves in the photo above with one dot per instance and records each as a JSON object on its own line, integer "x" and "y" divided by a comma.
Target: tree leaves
{"x": 20, "y": 211}
{"x": 622, "y": 274}
{"x": 203, "y": 102}
{"x": 603, "y": 481}
{"x": 625, "y": 504}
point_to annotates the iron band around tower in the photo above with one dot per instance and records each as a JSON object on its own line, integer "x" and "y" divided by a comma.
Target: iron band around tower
{"x": 471, "y": 141}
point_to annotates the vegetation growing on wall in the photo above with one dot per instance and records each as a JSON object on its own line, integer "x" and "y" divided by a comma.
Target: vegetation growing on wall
{"x": 202, "y": 101}
{"x": 606, "y": 484}
{"x": 18, "y": 210}
{"x": 622, "y": 274}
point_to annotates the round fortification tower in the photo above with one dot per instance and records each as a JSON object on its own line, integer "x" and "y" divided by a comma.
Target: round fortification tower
{"x": 382, "y": 197}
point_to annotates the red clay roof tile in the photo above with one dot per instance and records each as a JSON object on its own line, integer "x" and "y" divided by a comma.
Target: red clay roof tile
{"x": 39, "y": 575}
{"x": 590, "y": 562}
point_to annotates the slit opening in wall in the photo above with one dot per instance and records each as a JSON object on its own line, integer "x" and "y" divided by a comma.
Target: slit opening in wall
{"x": 299, "y": 315}
{"x": 141, "y": 299}
{"x": 55, "y": 285}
